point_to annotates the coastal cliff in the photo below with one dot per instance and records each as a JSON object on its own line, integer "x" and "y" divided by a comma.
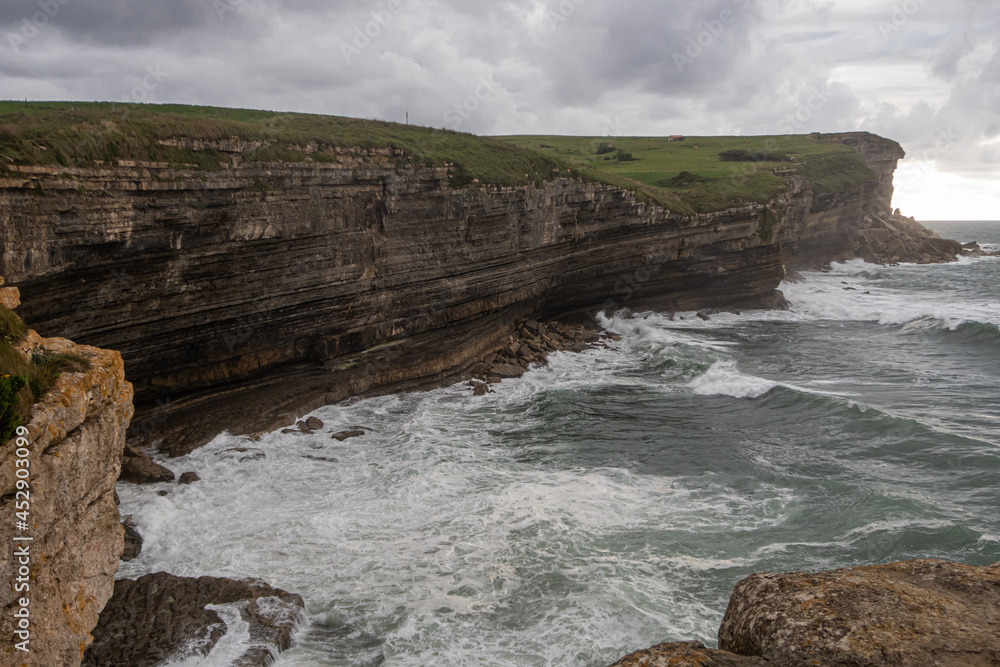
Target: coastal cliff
{"x": 242, "y": 296}
{"x": 64, "y": 565}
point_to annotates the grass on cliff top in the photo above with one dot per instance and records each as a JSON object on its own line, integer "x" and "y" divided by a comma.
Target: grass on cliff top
{"x": 83, "y": 134}
{"x": 692, "y": 174}
{"x": 685, "y": 176}
{"x": 23, "y": 383}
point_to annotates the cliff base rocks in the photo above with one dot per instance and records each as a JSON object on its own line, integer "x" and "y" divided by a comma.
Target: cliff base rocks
{"x": 160, "y": 617}
{"x": 531, "y": 343}
{"x": 138, "y": 468}
{"x": 896, "y": 239}
{"x": 921, "y": 613}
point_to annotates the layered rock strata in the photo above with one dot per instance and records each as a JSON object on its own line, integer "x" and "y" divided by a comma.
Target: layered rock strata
{"x": 921, "y": 613}
{"x": 242, "y": 296}
{"x": 75, "y": 437}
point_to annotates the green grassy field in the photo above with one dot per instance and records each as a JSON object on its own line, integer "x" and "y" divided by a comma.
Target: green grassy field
{"x": 686, "y": 176}
{"x": 710, "y": 184}
{"x": 80, "y": 134}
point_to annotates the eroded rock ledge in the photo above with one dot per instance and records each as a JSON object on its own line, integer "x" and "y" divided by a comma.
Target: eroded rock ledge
{"x": 920, "y": 613}
{"x": 161, "y": 617}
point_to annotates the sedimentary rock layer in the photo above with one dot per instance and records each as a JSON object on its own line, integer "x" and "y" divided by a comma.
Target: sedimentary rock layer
{"x": 75, "y": 438}
{"x": 305, "y": 283}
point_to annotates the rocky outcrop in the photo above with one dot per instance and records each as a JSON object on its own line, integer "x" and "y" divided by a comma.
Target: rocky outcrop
{"x": 895, "y": 239}
{"x": 65, "y": 564}
{"x": 161, "y": 617}
{"x": 137, "y": 468}
{"x": 918, "y": 613}
{"x": 921, "y": 613}
{"x": 243, "y": 296}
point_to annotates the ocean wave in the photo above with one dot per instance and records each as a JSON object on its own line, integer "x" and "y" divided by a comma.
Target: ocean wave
{"x": 723, "y": 379}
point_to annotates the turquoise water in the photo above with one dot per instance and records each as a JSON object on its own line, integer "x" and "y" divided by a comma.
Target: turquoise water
{"x": 612, "y": 499}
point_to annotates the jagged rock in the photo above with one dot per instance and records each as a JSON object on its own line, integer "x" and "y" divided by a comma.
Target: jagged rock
{"x": 687, "y": 654}
{"x": 915, "y": 614}
{"x": 314, "y": 424}
{"x": 345, "y": 435}
{"x": 508, "y": 370}
{"x": 189, "y": 478}
{"x": 481, "y": 390}
{"x": 161, "y": 617}
{"x": 894, "y": 239}
{"x": 133, "y": 541}
{"x": 137, "y": 468}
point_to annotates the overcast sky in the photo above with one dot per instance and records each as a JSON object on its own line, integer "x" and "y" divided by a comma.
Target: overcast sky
{"x": 923, "y": 72}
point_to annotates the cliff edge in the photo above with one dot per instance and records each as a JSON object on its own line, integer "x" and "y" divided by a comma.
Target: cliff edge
{"x": 61, "y": 530}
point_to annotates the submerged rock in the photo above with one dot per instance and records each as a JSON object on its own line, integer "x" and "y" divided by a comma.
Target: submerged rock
{"x": 189, "y": 478}
{"x": 133, "y": 541}
{"x": 161, "y": 617}
{"x": 243, "y": 454}
{"x": 345, "y": 435}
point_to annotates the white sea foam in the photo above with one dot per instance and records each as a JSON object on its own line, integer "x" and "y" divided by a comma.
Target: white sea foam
{"x": 722, "y": 379}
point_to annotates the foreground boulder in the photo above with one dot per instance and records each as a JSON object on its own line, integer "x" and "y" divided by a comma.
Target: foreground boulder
{"x": 687, "y": 654}
{"x": 919, "y": 613}
{"x": 161, "y": 617}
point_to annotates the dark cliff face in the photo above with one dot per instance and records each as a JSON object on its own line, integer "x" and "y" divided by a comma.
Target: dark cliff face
{"x": 353, "y": 276}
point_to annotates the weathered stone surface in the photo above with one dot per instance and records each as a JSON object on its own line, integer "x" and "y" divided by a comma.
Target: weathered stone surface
{"x": 133, "y": 541}
{"x": 137, "y": 468}
{"x": 76, "y": 435}
{"x": 687, "y": 654}
{"x": 314, "y": 424}
{"x": 922, "y": 613}
{"x": 10, "y": 297}
{"x": 159, "y": 617}
{"x": 189, "y": 478}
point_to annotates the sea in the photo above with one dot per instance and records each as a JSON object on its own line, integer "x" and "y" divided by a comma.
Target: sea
{"x": 610, "y": 500}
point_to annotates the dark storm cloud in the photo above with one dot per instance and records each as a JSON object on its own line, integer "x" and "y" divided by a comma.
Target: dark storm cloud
{"x": 112, "y": 22}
